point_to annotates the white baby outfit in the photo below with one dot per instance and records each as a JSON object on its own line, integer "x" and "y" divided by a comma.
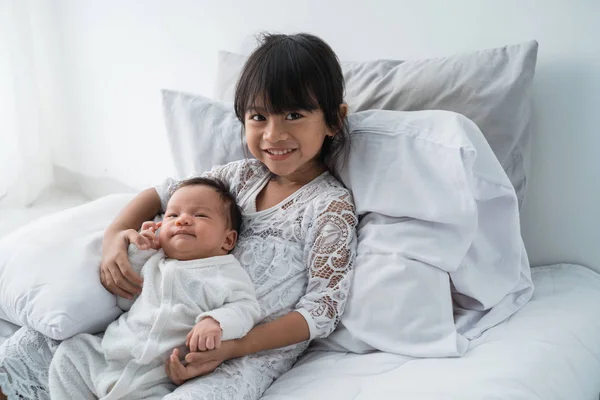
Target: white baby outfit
{"x": 129, "y": 361}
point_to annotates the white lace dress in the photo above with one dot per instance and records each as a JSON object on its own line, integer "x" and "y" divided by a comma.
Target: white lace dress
{"x": 299, "y": 254}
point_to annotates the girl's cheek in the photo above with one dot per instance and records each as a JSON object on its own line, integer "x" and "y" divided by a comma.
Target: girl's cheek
{"x": 252, "y": 139}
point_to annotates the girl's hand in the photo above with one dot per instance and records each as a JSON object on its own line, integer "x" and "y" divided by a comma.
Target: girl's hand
{"x": 198, "y": 364}
{"x": 116, "y": 273}
{"x": 206, "y": 335}
{"x": 148, "y": 232}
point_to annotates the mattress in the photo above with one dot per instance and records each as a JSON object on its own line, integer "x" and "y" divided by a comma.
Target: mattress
{"x": 548, "y": 350}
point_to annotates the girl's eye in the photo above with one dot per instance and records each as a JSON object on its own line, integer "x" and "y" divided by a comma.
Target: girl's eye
{"x": 172, "y": 215}
{"x": 292, "y": 116}
{"x": 258, "y": 117}
{"x": 200, "y": 215}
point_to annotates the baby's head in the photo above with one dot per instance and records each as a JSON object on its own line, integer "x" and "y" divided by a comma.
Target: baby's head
{"x": 202, "y": 220}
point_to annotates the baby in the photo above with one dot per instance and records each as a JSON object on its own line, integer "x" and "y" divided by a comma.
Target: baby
{"x": 194, "y": 292}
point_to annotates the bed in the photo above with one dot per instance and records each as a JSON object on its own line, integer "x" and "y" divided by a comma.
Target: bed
{"x": 550, "y": 349}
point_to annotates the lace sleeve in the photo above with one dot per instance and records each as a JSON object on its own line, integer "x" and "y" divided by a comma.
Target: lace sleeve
{"x": 232, "y": 174}
{"x": 330, "y": 254}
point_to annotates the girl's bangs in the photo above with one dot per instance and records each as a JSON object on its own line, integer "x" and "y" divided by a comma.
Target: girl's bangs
{"x": 276, "y": 85}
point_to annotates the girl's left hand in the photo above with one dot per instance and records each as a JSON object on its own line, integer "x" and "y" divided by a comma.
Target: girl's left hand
{"x": 198, "y": 364}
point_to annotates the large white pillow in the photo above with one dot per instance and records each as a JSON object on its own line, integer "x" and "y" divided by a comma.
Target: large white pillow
{"x": 440, "y": 235}
{"x": 439, "y": 224}
{"x": 492, "y": 87}
{"x": 49, "y": 271}
{"x": 202, "y": 132}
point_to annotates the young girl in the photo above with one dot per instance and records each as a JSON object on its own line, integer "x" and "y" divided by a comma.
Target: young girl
{"x": 298, "y": 239}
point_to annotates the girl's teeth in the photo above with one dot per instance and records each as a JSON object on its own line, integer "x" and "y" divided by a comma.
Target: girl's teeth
{"x": 280, "y": 152}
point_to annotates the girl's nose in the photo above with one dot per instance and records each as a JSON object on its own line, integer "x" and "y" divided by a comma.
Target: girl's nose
{"x": 275, "y": 131}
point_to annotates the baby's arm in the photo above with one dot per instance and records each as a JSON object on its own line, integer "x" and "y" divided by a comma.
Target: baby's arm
{"x": 231, "y": 321}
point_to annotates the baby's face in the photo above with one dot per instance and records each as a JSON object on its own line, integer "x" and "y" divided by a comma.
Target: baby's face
{"x": 195, "y": 225}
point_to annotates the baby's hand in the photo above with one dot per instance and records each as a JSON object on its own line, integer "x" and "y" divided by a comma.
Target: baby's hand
{"x": 206, "y": 335}
{"x": 148, "y": 232}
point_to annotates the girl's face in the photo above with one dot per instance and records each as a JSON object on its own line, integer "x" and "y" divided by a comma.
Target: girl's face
{"x": 288, "y": 144}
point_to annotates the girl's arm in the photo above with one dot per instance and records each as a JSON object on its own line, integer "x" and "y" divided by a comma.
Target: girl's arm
{"x": 330, "y": 260}
{"x": 116, "y": 273}
{"x": 284, "y": 331}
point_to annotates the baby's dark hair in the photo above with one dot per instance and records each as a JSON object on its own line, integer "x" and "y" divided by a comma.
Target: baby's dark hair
{"x": 296, "y": 72}
{"x": 232, "y": 210}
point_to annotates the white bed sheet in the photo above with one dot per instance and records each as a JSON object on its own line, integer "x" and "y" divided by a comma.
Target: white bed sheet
{"x": 548, "y": 350}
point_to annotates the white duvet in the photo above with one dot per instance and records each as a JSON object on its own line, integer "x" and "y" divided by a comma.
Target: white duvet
{"x": 548, "y": 350}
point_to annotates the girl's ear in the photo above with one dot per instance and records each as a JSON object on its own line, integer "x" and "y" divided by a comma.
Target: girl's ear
{"x": 230, "y": 240}
{"x": 343, "y": 111}
{"x": 342, "y": 114}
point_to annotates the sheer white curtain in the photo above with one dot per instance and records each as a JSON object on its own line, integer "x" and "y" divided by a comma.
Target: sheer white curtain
{"x": 25, "y": 153}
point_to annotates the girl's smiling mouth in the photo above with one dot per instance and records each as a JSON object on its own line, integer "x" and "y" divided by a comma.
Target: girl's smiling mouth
{"x": 279, "y": 154}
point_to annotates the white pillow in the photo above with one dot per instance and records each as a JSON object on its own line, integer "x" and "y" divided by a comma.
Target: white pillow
{"x": 202, "y": 132}
{"x": 49, "y": 271}
{"x": 441, "y": 218}
{"x": 436, "y": 219}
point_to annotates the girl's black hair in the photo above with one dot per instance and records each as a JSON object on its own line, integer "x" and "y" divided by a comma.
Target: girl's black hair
{"x": 296, "y": 72}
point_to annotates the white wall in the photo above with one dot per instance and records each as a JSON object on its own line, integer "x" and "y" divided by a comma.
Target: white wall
{"x": 117, "y": 55}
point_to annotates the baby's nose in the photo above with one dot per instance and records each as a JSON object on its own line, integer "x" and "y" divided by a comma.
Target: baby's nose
{"x": 184, "y": 219}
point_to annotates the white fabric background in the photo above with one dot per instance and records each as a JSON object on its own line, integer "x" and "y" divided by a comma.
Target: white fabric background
{"x": 25, "y": 159}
